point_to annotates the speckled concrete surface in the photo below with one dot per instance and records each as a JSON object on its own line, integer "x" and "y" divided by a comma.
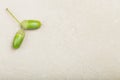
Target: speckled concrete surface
{"x": 79, "y": 40}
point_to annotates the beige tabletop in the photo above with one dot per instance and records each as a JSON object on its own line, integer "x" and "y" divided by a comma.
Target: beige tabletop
{"x": 79, "y": 40}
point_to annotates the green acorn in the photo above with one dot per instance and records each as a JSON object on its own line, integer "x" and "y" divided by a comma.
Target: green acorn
{"x": 27, "y": 24}
{"x": 30, "y": 24}
{"x": 18, "y": 39}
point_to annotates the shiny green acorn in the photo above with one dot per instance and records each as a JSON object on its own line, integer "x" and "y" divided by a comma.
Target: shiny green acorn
{"x": 18, "y": 39}
{"x": 30, "y": 24}
{"x": 27, "y": 24}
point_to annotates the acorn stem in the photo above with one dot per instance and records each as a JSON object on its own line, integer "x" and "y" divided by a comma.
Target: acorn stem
{"x": 12, "y": 15}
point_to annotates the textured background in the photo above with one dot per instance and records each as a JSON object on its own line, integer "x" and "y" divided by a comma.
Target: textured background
{"x": 79, "y": 40}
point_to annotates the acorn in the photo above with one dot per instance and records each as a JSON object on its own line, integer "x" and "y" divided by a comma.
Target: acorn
{"x": 26, "y": 24}
{"x": 30, "y": 24}
{"x": 18, "y": 39}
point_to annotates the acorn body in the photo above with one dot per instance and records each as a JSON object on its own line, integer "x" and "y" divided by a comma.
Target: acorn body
{"x": 30, "y": 24}
{"x": 18, "y": 39}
